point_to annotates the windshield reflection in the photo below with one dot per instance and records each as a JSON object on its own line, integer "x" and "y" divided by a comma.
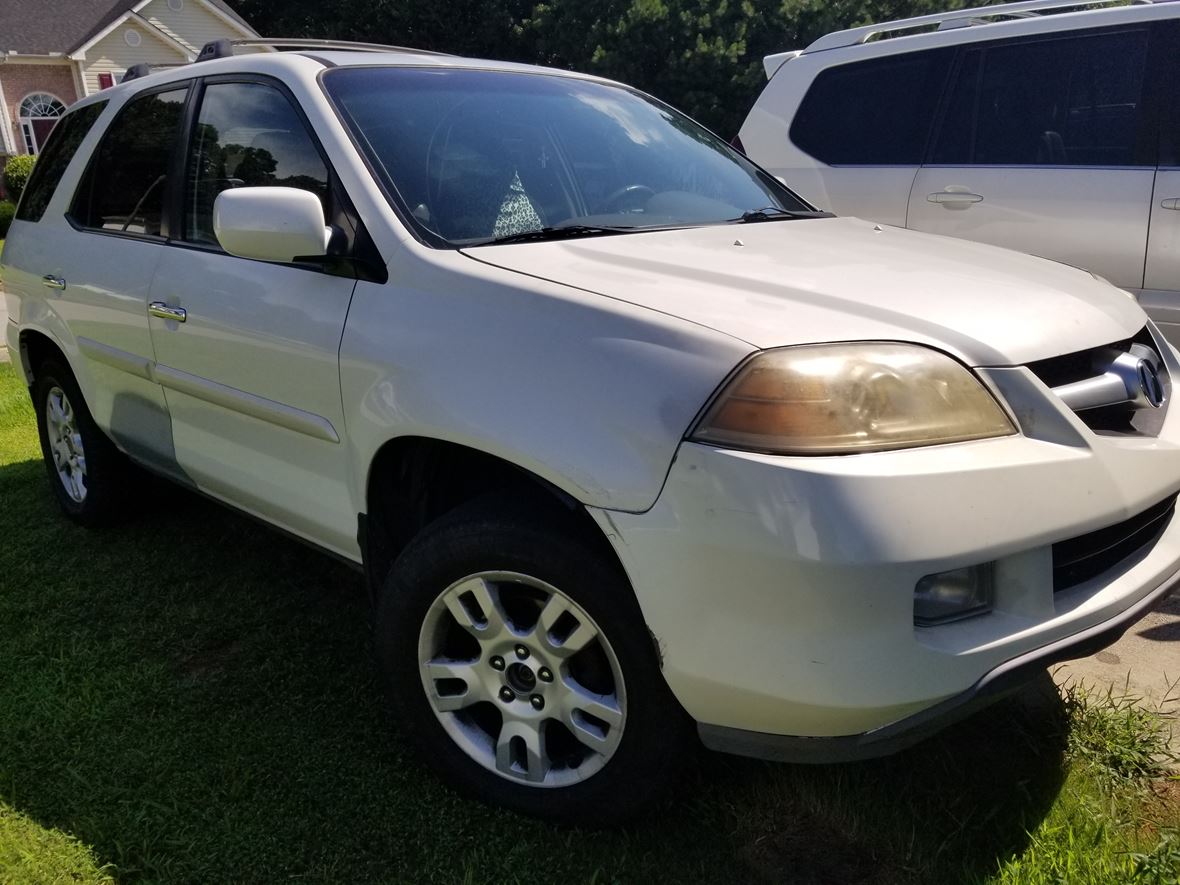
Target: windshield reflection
{"x": 475, "y": 157}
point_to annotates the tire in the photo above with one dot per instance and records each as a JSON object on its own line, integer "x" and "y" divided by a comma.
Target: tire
{"x": 481, "y": 567}
{"x": 88, "y": 475}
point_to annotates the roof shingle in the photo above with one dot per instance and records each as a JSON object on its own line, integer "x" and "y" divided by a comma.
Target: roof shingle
{"x": 42, "y": 27}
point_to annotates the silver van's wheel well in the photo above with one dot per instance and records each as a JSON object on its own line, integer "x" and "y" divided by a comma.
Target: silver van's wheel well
{"x": 414, "y": 481}
{"x": 36, "y": 348}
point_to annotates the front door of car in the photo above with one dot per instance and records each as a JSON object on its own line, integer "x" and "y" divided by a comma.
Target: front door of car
{"x": 247, "y": 351}
{"x": 1047, "y": 146}
{"x": 1161, "y": 280}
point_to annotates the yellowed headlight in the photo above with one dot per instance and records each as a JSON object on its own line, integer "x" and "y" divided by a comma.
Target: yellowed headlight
{"x": 830, "y": 399}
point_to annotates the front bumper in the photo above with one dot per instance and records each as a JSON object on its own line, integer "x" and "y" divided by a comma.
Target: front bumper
{"x": 780, "y": 589}
{"x": 906, "y": 732}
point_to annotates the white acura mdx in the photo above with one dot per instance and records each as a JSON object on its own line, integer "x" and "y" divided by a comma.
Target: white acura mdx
{"x": 630, "y": 441}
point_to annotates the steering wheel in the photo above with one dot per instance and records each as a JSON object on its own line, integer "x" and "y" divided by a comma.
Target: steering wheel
{"x": 629, "y": 191}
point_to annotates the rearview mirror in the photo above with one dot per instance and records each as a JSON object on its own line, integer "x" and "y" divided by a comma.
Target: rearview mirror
{"x": 270, "y": 223}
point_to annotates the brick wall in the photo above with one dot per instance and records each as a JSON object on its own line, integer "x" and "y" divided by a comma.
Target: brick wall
{"x": 19, "y": 80}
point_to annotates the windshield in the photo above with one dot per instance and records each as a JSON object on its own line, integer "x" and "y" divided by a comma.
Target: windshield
{"x": 480, "y": 156}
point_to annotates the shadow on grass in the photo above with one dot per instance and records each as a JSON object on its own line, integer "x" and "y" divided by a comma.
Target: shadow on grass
{"x": 193, "y": 696}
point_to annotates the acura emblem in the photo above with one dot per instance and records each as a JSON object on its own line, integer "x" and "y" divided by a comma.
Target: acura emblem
{"x": 1149, "y": 383}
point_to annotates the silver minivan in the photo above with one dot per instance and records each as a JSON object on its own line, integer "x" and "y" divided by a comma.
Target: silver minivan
{"x": 1050, "y": 127}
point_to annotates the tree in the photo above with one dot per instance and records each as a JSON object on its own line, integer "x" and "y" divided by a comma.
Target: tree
{"x": 702, "y": 56}
{"x": 16, "y": 175}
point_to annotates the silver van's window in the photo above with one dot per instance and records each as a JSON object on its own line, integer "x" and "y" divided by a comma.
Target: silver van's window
{"x": 1066, "y": 101}
{"x": 475, "y": 156}
{"x": 55, "y": 158}
{"x": 247, "y": 135}
{"x": 876, "y": 112}
{"x": 125, "y": 187}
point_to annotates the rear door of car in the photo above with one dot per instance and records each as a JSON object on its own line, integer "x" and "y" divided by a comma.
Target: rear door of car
{"x": 92, "y": 257}
{"x": 1161, "y": 278}
{"x": 248, "y": 351}
{"x": 1047, "y": 145}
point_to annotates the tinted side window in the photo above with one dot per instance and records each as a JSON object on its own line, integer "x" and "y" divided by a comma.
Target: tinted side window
{"x": 247, "y": 135}
{"x": 124, "y": 188}
{"x": 1075, "y": 101}
{"x": 875, "y": 112}
{"x": 54, "y": 159}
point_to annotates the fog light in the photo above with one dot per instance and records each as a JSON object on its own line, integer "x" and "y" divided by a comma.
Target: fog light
{"x": 950, "y": 596}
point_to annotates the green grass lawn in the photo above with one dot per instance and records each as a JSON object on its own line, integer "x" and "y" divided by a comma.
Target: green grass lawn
{"x": 190, "y": 698}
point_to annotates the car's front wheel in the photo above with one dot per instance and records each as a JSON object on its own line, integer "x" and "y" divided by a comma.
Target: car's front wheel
{"x": 523, "y": 671}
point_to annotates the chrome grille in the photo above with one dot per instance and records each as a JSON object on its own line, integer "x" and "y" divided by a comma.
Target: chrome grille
{"x": 1118, "y": 388}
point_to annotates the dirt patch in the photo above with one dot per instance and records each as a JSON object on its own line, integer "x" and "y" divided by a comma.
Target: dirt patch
{"x": 814, "y": 852}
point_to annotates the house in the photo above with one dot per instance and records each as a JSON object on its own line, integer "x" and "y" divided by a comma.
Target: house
{"x": 54, "y": 52}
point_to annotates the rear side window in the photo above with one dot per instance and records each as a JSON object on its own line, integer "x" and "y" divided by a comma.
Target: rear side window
{"x": 124, "y": 189}
{"x": 247, "y": 135}
{"x": 1075, "y": 101}
{"x": 876, "y": 113}
{"x": 54, "y": 159}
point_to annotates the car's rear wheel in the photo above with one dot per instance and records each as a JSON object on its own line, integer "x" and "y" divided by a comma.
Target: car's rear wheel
{"x": 523, "y": 671}
{"x": 88, "y": 475}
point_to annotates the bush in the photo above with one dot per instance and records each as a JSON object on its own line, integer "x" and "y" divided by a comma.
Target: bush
{"x": 7, "y": 210}
{"x": 16, "y": 175}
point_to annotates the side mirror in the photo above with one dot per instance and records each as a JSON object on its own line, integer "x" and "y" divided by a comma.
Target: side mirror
{"x": 270, "y": 223}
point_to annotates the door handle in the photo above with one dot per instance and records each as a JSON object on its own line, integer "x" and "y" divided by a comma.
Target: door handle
{"x": 164, "y": 312}
{"x": 1171, "y": 203}
{"x": 53, "y": 282}
{"x": 952, "y": 197}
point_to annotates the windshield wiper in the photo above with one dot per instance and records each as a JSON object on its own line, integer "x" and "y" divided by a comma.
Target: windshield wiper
{"x": 774, "y": 213}
{"x": 564, "y": 232}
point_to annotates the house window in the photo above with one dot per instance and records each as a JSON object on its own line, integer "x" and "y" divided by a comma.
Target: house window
{"x": 39, "y": 113}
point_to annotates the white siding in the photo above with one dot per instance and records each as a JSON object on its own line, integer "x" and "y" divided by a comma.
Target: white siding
{"x": 194, "y": 25}
{"x": 111, "y": 54}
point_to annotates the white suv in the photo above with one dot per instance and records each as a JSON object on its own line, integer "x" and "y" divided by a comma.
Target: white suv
{"x": 1049, "y": 127}
{"x": 630, "y": 441}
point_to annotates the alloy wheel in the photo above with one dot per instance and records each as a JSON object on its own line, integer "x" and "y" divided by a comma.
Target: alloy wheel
{"x": 522, "y": 679}
{"x": 65, "y": 444}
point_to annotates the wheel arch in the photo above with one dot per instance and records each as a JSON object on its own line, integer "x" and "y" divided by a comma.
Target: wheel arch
{"x": 414, "y": 480}
{"x": 35, "y": 347}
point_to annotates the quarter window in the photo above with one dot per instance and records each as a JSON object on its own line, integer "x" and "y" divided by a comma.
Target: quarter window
{"x": 125, "y": 187}
{"x": 876, "y": 112}
{"x": 247, "y": 135}
{"x": 1075, "y": 101}
{"x": 52, "y": 164}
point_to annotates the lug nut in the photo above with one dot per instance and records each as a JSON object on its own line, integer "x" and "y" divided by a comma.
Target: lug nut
{"x": 538, "y": 702}
{"x": 545, "y": 674}
{"x": 507, "y": 694}
{"x": 497, "y": 663}
{"x": 522, "y": 652}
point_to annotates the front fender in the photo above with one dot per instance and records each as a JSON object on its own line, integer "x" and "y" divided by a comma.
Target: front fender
{"x": 589, "y": 393}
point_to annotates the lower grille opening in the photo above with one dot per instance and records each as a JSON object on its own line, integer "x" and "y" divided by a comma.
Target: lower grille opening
{"x": 1079, "y": 559}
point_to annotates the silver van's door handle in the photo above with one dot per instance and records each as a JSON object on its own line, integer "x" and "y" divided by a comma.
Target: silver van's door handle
{"x": 1171, "y": 203}
{"x": 53, "y": 282}
{"x": 952, "y": 197}
{"x": 164, "y": 312}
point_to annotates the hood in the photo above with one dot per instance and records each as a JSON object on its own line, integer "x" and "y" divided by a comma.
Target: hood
{"x": 842, "y": 279}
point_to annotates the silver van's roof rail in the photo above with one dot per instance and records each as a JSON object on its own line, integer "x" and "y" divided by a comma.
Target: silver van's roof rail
{"x": 225, "y": 48}
{"x": 957, "y": 18}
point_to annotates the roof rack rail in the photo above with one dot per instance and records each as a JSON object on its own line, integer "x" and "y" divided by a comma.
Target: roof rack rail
{"x": 225, "y": 48}
{"x": 143, "y": 69}
{"x": 957, "y": 18}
